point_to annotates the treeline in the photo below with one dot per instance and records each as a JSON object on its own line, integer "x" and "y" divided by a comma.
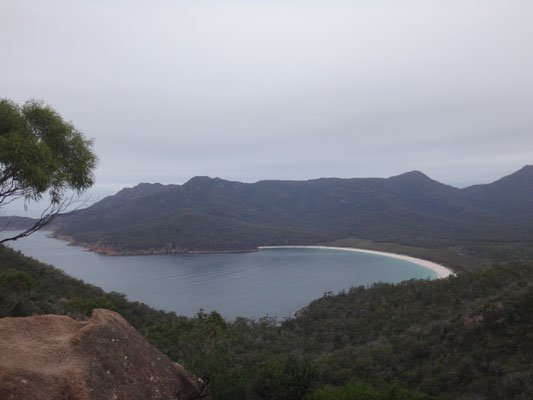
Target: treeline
{"x": 464, "y": 337}
{"x": 198, "y": 231}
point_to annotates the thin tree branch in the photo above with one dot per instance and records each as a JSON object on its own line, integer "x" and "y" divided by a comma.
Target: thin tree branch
{"x": 47, "y": 216}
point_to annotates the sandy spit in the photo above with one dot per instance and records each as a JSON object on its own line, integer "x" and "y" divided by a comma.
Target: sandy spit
{"x": 440, "y": 270}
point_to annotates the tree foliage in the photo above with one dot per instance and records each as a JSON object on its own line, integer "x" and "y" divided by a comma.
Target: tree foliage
{"x": 41, "y": 154}
{"x": 15, "y": 291}
{"x": 364, "y": 391}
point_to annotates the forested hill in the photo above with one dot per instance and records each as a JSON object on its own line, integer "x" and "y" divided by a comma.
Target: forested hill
{"x": 212, "y": 214}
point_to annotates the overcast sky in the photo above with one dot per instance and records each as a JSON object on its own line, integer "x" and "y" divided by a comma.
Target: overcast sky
{"x": 281, "y": 89}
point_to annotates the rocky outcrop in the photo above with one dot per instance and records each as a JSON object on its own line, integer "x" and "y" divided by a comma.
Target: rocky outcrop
{"x": 55, "y": 357}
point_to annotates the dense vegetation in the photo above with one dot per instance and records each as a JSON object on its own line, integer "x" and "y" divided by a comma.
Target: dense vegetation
{"x": 486, "y": 221}
{"x": 465, "y": 337}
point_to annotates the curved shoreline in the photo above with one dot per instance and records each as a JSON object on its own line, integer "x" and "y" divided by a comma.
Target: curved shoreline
{"x": 440, "y": 270}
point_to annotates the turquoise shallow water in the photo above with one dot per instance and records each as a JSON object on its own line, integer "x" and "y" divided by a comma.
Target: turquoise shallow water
{"x": 273, "y": 282}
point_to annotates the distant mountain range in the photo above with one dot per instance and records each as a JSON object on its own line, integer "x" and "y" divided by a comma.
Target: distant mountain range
{"x": 212, "y": 214}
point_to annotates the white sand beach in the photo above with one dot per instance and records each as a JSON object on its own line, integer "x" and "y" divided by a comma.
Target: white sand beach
{"x": 440, "y": 270}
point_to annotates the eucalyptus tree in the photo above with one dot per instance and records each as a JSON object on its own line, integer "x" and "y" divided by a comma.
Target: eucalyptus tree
{"x": 41, "y": 155}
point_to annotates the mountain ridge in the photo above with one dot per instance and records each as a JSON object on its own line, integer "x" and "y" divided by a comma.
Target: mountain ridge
{"x": 213, "y": 214}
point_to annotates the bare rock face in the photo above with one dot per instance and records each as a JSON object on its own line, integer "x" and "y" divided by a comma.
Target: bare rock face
{"x": 55, "y": 357}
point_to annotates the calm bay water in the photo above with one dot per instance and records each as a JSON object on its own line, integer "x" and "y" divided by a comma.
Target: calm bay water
{"x": 276, "y": 282}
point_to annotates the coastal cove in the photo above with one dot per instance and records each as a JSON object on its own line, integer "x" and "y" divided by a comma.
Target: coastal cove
{"x": 274, "y": 282}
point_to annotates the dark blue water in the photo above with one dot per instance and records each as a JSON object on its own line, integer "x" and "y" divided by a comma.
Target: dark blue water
{"x": 276, "y": 282}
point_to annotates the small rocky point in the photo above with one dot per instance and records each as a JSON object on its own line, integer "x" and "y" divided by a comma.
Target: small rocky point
{"x": 49, "y": 357}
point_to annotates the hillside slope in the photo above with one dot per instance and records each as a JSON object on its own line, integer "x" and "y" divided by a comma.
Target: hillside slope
{"x": 511, "y": 196}
{"x": 208, "y": 214}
